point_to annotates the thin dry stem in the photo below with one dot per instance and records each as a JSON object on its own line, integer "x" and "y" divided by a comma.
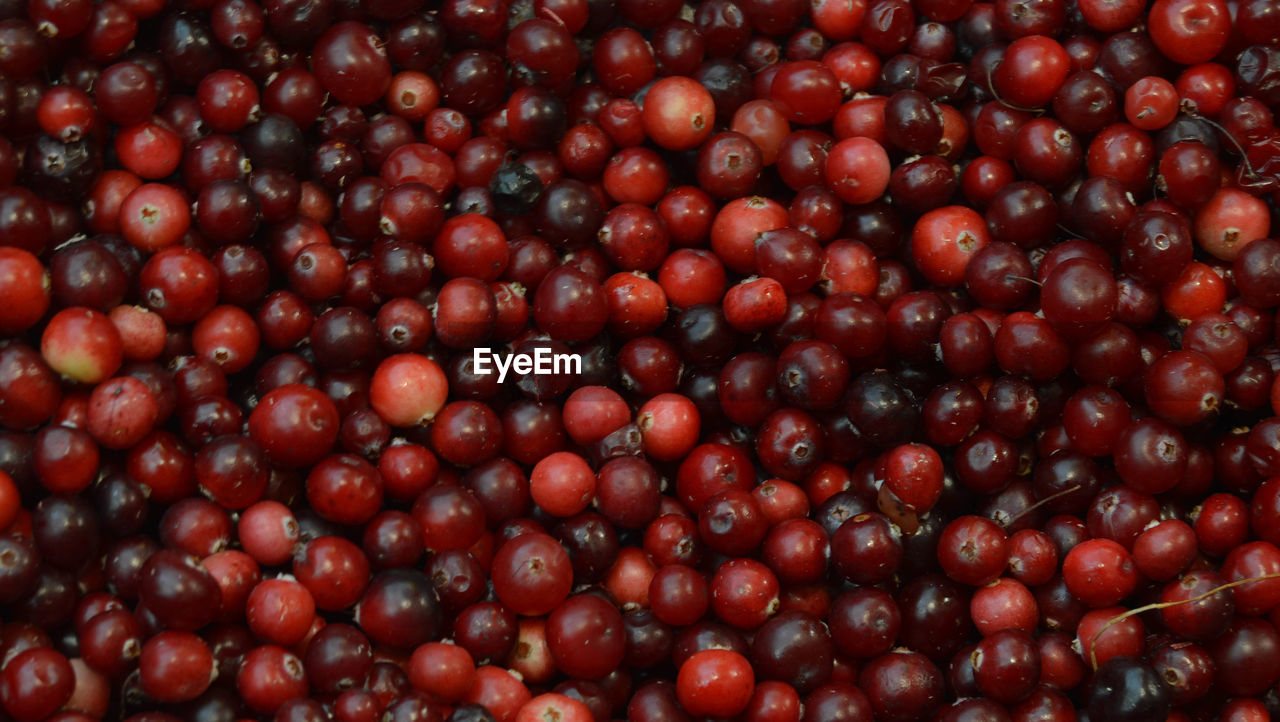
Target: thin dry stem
{"x": 991, "y": 87}
{"x": 1042, "y": 502}
{"x": 1244, "y": 156}
{"x": 1016, "y": 277}
{"x": 1093, "y": 643}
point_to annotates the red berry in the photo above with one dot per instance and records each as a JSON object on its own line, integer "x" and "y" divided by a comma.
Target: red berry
{"x": 715, "y": 683}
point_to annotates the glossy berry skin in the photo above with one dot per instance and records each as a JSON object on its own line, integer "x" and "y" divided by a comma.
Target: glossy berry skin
{"x": 552, "y": 706}
{"x": 807, "y": 92}
{"x": 295, "y": 425}
{"x": 666, "y": 422}
{"x": 344, "y": 488}
{"x": 269, "y": 676}
{"x": 585, "y": 637}
{"x": 973, "y": 550}
{"x": 408, "y": 389}
{"x": 1078, "y": 297}
{"x": 154, "y": 216}
{"x": 1032, "y": 70}
{"x": 175, "y": 666}
{"x": 1189, "y": 32}
{"x": 26, "y": 296}
{"x": 944, "y": 240}
{"x": 178, "y": 591}
{"x": 1149, "y": 453}
{"x": 562, "y": 484}
{"x": 532, "y": 574}
{"x": 754, "y": 305}
{"x": 902, "y": 685}
{"x": 280, "y": 611}
{"x": 744, "y": 593}
{"x": 857, "y": 169}
{"x": 913, "y": 473}
{"x": 1097, "y": 640}
{"x": 125, "y": 94}
{"x": 82, "y": 344}
{"x": 1183, "y": 387}
{"x": 1125, "y": 689}
{"x": 678, "y": 113}
{"x": 569, "y": 305}
{"x": 399, "y": 609}
{"x": 1099, "y": 572}
{"x": 351, "y": 64}
{"x": 121, "y": 412}
{"x": 36, "y": 683}
{"x": 715, "y": 682}
{"x": 1007, "y": 665}
{"x": 866, "y": 548}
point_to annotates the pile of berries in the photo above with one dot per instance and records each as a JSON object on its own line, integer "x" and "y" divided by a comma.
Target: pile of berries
{"x": 907, "y": 360}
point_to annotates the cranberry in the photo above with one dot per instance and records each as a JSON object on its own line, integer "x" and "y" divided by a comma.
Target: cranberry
{"x": 1099, "y": 572}
{"x": 28, "y": 295}
{"x": 715, "y": 682}
{"x": 407, "y": 389}
{"x": 857, "y": 169}
{"x": 294, "y": 424}
{"x": 902, "y": 685}
{"x": 678, "y": 113}
{"x": 396, "y": 601}
{"x": 913, "y": 474}
{"x": 36, "y": 683}
{"x": 269, "y": 676}
{"x": 585, "y": 636}
{"x": 178, "y": 591}
{"x": 175, "y": 666}
{"x": 1127, "y": 688}
{"x": 533, "y": 572}
{"x": 973, "y": 550}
